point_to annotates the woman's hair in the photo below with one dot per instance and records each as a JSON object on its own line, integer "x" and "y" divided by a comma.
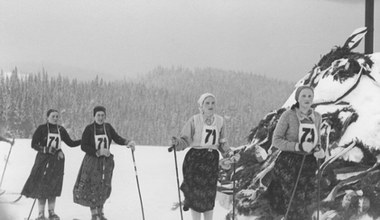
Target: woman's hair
{"x": 99, "y": 109}
{"x": 50, "y": 111}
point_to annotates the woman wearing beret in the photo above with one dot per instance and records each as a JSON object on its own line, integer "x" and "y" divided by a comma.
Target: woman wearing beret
{"x": 204, "y": 134}
{"x": 93, "y": 185}
{"x": 46, "y": 178}
{"x": 297, "y": 135}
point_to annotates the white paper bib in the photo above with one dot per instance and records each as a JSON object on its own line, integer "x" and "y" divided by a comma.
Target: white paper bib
{"x": 307, "y": 133}
{"x": 210, "y": 136}
{"x": 102, "y": 144}
{"x": 54, "y": 141}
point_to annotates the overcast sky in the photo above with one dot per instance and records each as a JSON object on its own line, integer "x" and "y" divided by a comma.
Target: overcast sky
{"x": 281, "y": 39}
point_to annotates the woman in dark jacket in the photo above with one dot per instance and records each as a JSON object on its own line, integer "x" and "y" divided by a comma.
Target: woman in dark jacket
{"x": 46, "y": 178}
{"x": 93, "y": 185}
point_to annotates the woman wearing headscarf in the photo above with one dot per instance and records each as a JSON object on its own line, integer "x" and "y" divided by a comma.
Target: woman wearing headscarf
{"x": 204, "y": 134}
{"x": 297, "y": 135}
{"x": 46, "y": 178}
{"x": 93, "y": 185}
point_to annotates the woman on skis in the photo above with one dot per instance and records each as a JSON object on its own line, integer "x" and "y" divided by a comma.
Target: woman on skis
{"x": 297, "y": 135}
{"x": 205, "y": 134}
{"x": 93, "y": 185}
{"x": 46, "y": 178}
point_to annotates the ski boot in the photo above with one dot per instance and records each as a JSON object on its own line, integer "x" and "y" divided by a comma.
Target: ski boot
{"x": 53, "y": 216}
{"x": 95, "y": 217}
{"x": 185, "y": 206}
{"x": 102, "y": 217}
{"x": 41, "y": 216}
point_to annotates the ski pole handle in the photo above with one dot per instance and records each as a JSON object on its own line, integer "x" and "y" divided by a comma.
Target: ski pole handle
{"x": 170, "y": 149}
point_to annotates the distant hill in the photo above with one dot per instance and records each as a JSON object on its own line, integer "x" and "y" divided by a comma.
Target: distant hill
{"x": 150, "y": 109}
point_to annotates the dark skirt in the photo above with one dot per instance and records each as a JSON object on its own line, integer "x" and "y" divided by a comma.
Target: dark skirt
{"x": 93, "y": 185}
{"x": 285, "y": 175}
{"x": 200, "y": 175}
{"x": 46, "y": 178}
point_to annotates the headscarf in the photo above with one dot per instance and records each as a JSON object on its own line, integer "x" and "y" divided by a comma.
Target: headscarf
{"x": 202, "y": 99}
{"x": 299, "y": 89}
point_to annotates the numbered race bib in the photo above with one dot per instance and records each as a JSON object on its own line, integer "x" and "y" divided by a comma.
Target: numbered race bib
{"x": 54, "y": 141}
{"x": 102, "y": 144}
{"x": 307, "y": 133}
{"x": 210, "y": 136}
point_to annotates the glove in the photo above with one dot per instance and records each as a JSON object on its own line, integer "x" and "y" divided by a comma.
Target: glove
{"x": 307, "y": 147}
{"x": 319, "y": 153}
{"x": 60, "y": 155}
{"x": 131, "y": 144}
{"x": 174, "y": 143}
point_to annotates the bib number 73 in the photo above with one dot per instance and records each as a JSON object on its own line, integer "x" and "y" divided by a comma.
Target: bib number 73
{"x": 308, "y": 135}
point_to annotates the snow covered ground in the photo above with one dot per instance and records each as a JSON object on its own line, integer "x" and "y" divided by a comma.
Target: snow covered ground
{"x": 156, "y": 173}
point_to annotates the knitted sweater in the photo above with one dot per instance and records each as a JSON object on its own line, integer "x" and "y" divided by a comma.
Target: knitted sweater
{"x": 88, "y": 137}
{"x": 285, "y": 136}
{"x": 191, "y": 134}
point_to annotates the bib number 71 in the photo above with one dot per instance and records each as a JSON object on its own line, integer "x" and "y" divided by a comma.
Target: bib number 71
{"x": 210, "y": 132}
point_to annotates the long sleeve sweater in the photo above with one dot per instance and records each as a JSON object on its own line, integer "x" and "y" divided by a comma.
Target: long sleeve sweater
{"x": 191, "y": 134}
{"x": 39, "y": 139}
{"x": 88, "y": 137}
{"x": 285, "y": 136}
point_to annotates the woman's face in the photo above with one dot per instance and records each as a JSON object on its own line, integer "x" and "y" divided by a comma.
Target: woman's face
{"x": 100, "y": 117}
{"x": 306, "y": 98}
{"x": 208, "y": 106}
{"x": 53, "y": 118}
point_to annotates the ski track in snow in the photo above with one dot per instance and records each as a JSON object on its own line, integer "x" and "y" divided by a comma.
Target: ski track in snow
{"x": 156, "y": 173}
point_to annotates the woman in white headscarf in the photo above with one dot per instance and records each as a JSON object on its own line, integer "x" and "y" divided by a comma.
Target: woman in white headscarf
{"x": 205, "y": 134}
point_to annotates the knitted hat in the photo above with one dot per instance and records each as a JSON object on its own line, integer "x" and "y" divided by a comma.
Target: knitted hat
{"x": 299, "y": 89}
{"x": 203, "y": 97}
{"x": 99, "y": 109}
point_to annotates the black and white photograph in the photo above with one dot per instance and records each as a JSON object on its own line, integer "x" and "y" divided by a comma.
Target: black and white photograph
{"x": 190, "y": 110}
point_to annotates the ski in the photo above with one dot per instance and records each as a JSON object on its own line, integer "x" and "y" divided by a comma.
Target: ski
{"x": 11, "y": 201}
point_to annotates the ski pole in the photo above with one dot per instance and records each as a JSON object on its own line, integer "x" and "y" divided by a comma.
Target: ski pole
{"x": 6, "y": 163}
{"x": 138, "y": 185}
{"x": 31, "y": 209}
{"x": 176, "y": 172}
{"x": 318, "y": 189}
{"x": 295, "y": 187}
{"x": 233, "y": 191}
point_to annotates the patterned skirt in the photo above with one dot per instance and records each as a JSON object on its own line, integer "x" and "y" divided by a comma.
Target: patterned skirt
{"x": 285, "y": 175}
{"x": 46, "y": 178}
{"x": 200, "y": 175}
{"x": 93, "y": 185}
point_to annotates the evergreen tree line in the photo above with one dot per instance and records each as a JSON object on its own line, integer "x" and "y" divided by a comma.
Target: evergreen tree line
{"x": 150, "y": 110}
